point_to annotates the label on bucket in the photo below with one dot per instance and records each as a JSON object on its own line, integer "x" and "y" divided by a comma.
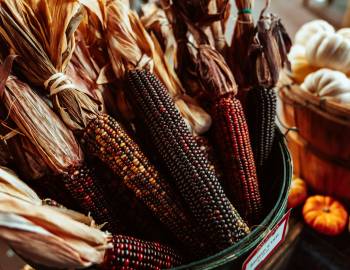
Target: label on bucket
{"x": 268, "y": 245}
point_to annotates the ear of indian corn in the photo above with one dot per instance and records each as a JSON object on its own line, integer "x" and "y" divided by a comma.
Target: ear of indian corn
{"x": 80, "y": 182}
{"x": 236, "y": 153}
{"x": 132, "y": 253}
{"x": 185, "y": 161}
{"x": 138, "y": 219}
{"x": 261, "y": 107}
{"x": 56, "y": 145}
{"x": 232, "y": 136}
{"x": 106, "y": 139}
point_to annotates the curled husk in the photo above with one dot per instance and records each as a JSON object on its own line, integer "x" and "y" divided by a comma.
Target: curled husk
{"x": 214, "y": 73}
{"x": 269, "y": 54}
{"x": 43, "y": 234}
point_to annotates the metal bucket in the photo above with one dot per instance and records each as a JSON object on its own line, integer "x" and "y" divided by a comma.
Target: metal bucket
{"x": 275, "y": 194}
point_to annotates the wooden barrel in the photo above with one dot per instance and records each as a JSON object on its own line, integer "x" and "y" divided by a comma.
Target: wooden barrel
{"x": 319, "y": 139}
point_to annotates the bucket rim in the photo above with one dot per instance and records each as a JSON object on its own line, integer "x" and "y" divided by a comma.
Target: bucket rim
{"x": 251, "y": 240}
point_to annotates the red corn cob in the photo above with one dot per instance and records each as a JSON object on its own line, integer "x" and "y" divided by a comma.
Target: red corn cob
{"x": 236, "y": 152}
{"x": 232, "y": 134}
{"x": 130, "y": 253}
{"x": 85, "y": 190}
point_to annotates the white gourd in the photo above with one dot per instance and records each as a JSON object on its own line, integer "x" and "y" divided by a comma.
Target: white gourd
{"x": 328, "y": 84}
{"x": 300, "y": 67}
{"x": 329, "y": 50}
{"x": 309, "y": 29}
{"x": 345, "y": 32}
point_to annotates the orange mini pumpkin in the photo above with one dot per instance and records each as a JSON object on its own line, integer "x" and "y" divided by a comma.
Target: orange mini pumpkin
{"x": 297, "y": 193}
{"x": 325, "y": 215}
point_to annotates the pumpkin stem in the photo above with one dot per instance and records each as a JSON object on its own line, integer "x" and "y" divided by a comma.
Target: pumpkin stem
{"x": 326, "y": 209}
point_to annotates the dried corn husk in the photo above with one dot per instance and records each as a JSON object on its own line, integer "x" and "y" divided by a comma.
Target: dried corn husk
{"x": 46, "y": 235}
{"x": 18, "y": 149}
{"x": 131, "y": 47}
{"x": 155, "y": 21}
{"x": 27, "y": 159}
{"x": 214, "y": 73}
{"x": 54, "y": 143}
{"x": 45, "y": 46}
{"x": 272, "y": 54}
{"x": 241, "y": 41}
{"x": 218, "y": 7}
{"x": 184, "y": 65}
{"x": 90, "y": 64}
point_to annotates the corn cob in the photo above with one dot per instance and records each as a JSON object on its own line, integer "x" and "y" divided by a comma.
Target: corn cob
{"x": 137, "y": 218}
{"x": 105, "y": 138}
{"x": 232, "y": 134}
{"x": 261, "y": 106}
{"x": 185, "y": 161}
{"x": 81, "y": 183}
{"x": 131, "y": 253}
{"x": 237, "y": 156}
{"x": 209, "y": 152}
{"x": 56, "y": 146}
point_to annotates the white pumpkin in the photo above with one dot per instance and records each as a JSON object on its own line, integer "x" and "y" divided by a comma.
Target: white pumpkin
{"x": 309, "y": 29}
{"x": 300, "y": 67}
{"x": 329, "y": 50}
{"x": 345, "y": 32}
{"x": 328, "y": 84}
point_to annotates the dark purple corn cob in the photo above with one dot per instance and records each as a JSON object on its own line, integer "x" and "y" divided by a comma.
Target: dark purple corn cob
{"x": 210, "y": 154}
{"x": 130, "y": 253}
{"x": 261, "y": 107}
{"x": 86, "y": 191}
{"x": 185, "y": 162}
{"x": 240, "y": 177}
{"x": 106, "y": 139}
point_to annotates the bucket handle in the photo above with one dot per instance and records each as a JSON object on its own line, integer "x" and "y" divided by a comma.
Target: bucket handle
{"x": 288, "y": 129}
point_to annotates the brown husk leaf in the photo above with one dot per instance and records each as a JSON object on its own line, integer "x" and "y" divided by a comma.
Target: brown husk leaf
{"x": 27, "y": 158}
{"x": 269, "y": 56}
{"x": 53, "y": 141}
{"x": 185, "y": 66}
{"x": 131, "y": 47}
{"x": 214, "y": 74}
{"x": 45, "y": 46}
{"x": 240, "y": 44}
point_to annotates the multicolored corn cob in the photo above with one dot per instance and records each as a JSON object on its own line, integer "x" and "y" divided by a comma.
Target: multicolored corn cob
{"x": 185, "y": 161}
{"x": 261, "y": 107}
{"x": 138, "y": 219}
{"x": 81, "y": 183}
{"x": 105, "y": 138}
{"x": 237, "y": 156}
{"x": 131, "y": 253}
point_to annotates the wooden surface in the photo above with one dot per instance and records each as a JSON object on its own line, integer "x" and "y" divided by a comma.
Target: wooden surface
{"x": 306, "y": 249}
